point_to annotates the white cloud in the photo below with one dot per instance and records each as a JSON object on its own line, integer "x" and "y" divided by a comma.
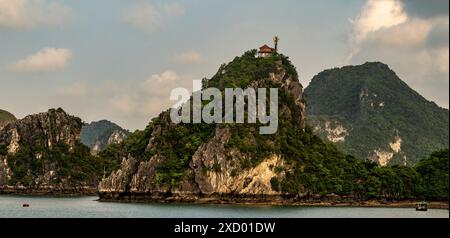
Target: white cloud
{"x": 26, "y": 14}
{"x": 148, "y": 17}
{"x": 125, "y": 104}
{"x": 378, "y": 14}
{"x": 47, "y": 59}
{"x": 151, "y": 96}
{"x": 408, "y": 34}
{"x": 416, "y": 48}
{"x": 191, "y": 57}
{"x": 160, "y": 85}
{"x": 384, "y": 29}
{"x": 165, "y": 77}
{"x": 78, "y": 89}
{"x": 386, "y": 23}
{"x": 375, "y": 15}
{"x": 131, "y": 104}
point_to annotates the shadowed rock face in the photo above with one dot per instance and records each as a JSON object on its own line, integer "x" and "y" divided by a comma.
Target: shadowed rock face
{"x": 32, "y": 147}
{"x": 214, "y": 169}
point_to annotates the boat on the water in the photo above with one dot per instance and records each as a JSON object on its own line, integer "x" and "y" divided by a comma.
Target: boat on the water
{"x": 25, "y": 205}
{"x": 422, "y": 206}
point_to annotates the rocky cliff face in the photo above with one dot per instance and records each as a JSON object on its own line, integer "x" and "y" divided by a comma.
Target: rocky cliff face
{"x": 223, "y": 178}
{"x": 208, "y": 164}
{"x": 42, "y": 130}
{"x": 204, "y": 176}
{"x": 43, "y": 152}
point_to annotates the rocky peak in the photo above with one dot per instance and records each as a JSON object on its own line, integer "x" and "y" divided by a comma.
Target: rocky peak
{"x": 42, "y": 130}
{"x": 42, "y": 152}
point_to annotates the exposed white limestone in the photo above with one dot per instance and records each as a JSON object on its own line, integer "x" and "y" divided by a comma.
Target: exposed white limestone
{"x": 396, "y": 145}
{"x": 334, "y": 131}
{"x": 384, "y": 156}
{"x": 13, "y": 146}
{"x": 336, "y": 134}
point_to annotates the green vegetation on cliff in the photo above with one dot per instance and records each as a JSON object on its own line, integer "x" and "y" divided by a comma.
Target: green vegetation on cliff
{"x": 327, "y": 171}
{"x": 376, "y": 109}
{"x": 312, "y": 165}
{"x": 433, "y": 171}
{"x": 179, "y": 142}
{"x": 44, "y": 150}
{"x": 75, "y": 168}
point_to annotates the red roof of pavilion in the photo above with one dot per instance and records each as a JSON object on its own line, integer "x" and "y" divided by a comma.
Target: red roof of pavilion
{"x": 265, "y": 49}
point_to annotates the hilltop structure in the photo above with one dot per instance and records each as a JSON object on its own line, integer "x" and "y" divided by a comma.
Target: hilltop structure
{"x": 266, "y": 50}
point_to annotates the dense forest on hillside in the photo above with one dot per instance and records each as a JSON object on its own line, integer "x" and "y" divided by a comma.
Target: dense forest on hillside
{"x": 381, "y": 115}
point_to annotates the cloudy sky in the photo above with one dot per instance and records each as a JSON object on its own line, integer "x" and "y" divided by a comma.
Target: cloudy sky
{"x": 118, "y": 60}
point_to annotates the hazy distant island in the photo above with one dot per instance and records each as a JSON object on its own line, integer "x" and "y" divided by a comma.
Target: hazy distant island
{"x": 98, "y": 135}
{"x": 357, "y": 147}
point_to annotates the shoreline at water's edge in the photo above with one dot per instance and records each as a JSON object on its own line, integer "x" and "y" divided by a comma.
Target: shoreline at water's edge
{"x": 270, "y": 200}
{"x": 85, "y": 191}
{"x": 252, "y": 200}
{"x": 304, "y": 203}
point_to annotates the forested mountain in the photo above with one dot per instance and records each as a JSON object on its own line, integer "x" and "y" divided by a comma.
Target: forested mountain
{"x": 370, "y": 113}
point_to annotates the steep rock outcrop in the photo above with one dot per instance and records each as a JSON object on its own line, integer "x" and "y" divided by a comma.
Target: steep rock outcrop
{"x": 42, "y": 153}
{"x": 209, "y": 165}
{"x": 120, "y": 179}
{"x": 43, "y": 130}
{"x": 216, "y": 172}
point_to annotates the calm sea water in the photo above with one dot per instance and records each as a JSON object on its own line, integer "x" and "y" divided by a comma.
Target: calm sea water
{"x": 85, "y": 207}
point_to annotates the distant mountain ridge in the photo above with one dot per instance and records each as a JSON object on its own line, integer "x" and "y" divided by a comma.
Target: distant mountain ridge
{"x": 99, "y": 134}
{"x": 369, "y": 112}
